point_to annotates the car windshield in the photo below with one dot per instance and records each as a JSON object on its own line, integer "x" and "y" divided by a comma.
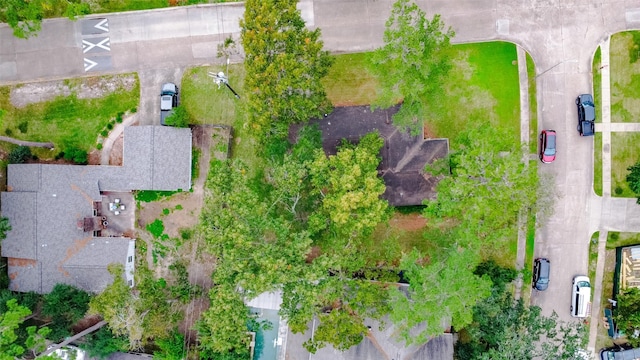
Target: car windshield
{"x": 583, "y": 284}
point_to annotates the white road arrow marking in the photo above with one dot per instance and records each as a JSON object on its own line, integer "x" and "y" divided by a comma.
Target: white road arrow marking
{"x": 87, "y": 45}
{"x": 102, "y": 25}
{"x": 89, "y": 64}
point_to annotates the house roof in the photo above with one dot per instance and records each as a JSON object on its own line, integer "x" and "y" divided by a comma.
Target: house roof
{"x": 376, "y": 344}
{"x": 45, "y": 203}
{"x": 403, "y": 155}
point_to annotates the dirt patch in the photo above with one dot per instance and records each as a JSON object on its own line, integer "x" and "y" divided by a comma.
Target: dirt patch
{"x": 85, "y": 88}
{"x": 94, "y": 157}
{"x": 408, "y": 222}
{"x": 117, "y": 149}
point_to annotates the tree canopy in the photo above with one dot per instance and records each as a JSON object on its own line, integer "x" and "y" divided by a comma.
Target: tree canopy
{"x": 11, "y": 346}
{"x": 413, "y": 63}
{"x": 284, "y": 63}
{"x": 627, "y": 314}
{"x": 633, "y": 179}
{"x": 504, "y": 328}
{"x": 288, "y": 229}
{"x": 25, "y": 17}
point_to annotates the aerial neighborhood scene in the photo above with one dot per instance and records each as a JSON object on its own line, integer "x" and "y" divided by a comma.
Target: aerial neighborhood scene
{"x": 320, "y": 179}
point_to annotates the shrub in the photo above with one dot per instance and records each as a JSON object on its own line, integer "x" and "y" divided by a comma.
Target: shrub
{"x": 76, "y": 155}
{"x": 179, "y": 118}
{"x": 119, "y": 117}
{"x": 23, "y": 127}
{"x": 8, "y": 132}
{"x": 99, "y": 146}
{"x": 19, "y": 155}
{"x": 152, "y": 195}
{"x": 156, "y": 228}
{"x": 110, "y": 126}
{"x": 105, "y": 133}
{"x": 134, "y": 110}
{"x": 166, "y": 211}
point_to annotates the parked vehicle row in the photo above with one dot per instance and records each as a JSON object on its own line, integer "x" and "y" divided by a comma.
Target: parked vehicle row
{"x": 580, "y": 292}
{"x": 586, "y": 127}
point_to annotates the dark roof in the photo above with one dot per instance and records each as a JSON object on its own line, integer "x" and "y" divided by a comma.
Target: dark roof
{"x": 46, "y": 202}
{"x": 403, "y": 155}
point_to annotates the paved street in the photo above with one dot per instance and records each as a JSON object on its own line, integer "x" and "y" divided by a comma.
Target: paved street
{"x": 560, "y": 35}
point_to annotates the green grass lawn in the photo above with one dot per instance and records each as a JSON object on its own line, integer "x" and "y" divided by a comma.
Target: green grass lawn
{"x": 624, "y": 153}
{"x": 597, "y": 164}
{"x": 67, "y": 121}
{"x": 625, "y": 77}
{"x": 483, "y": 86}
{"x": 533, "y": 106}
{"x": 208, "y": 104}
{"x": 597, "y": 142}
{"x": 349, "y": 82}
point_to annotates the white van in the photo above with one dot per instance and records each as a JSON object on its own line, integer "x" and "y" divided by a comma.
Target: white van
{"x": 581, "y": 297}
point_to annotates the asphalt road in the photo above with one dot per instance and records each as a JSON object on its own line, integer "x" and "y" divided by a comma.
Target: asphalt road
{"x": 560, "y": 35}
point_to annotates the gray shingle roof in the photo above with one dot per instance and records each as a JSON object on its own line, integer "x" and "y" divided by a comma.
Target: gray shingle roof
{"x": 20, "y": 208}
{"x": 46, "y": 201}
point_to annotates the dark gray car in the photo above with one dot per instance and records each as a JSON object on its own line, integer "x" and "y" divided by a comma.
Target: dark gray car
{"x": 586, "y": 115}
{"x": 541, "y": 270}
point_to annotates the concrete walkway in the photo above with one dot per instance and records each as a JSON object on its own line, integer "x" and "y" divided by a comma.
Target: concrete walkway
{"x": 114, "y": 134}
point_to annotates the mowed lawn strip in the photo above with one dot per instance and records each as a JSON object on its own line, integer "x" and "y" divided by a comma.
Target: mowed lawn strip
{"x": 624, "y": 153}
{"x": 625, "y": 77}
{"x": 66, "y": 121}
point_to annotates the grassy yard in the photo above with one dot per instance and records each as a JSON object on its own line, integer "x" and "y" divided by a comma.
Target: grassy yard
{"x": 67, "y": 121}
{"x": 349, "y": 83}
{"x": 597, "y": 143}
{"x": 208, "y": 104}
{"x": 625, "y": 77}
{"x": 482, "y": 87}
{"x": 533, "y": 106}
{"x": 624, "y": 153}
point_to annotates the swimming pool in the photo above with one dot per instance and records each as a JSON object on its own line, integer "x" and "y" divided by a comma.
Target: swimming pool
{"x": 267, "y": 344}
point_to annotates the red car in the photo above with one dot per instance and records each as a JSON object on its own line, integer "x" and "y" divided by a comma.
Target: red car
{"x": 547, "y": 146}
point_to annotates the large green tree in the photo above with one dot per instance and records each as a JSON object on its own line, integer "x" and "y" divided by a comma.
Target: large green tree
{"x": 118, "y": 306}
{"x": 223, "y": 328}
{"x": 25, "y": 17}
{"x": 64, "y": 305}
{"x": 627, "y": 314}
{"x": 284, "y": 63}
{"x": 486, "y": 184}
{"x": 413, "y": 64}
{"x": 289, "y": 229}
{"x": 504, "y": 328}
{"x": 10, "y": 345}
{"x": 441, "y": 294}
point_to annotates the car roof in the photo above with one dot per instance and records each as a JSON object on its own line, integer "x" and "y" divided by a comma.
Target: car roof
{"x": 551, "y": 140}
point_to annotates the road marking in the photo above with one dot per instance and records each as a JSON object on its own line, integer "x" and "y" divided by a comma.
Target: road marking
{"x": 100, "y": 26}
{"x": 88, "y": 64}
{"x": 103, "y": 44}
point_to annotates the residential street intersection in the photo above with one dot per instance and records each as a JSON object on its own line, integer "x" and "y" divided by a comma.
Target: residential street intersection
{"x": 560, "y": 35}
